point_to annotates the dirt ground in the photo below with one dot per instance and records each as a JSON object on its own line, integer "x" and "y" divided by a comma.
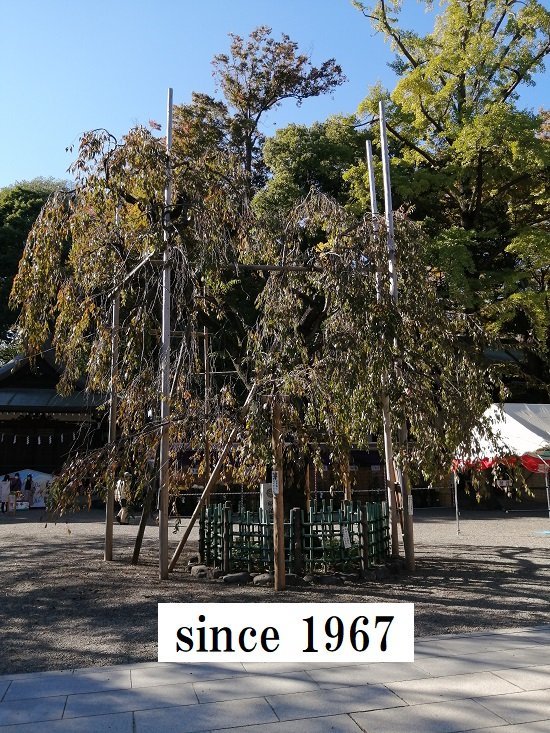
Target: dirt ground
{"x": 62, "y": 607}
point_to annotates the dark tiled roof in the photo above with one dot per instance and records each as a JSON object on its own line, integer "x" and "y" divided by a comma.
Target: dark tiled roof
{"x": 47, "y": 400}
{"x": 24, "y": 388}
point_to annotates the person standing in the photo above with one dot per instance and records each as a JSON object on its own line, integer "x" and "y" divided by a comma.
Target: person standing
{"x": 4, "y": 493}
{"x": 28, "y": 491}
{"x": 15, "y": 484}
{"x": 122, "y": 491}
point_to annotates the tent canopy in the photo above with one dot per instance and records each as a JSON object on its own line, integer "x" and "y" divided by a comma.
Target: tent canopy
{"x": 522, "y": 432}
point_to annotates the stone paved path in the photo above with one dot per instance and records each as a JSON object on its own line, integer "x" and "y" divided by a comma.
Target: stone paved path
{"x": 496, "y": 682}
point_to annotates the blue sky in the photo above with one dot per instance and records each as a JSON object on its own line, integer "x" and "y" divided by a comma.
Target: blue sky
{"x": 74, "y": 65}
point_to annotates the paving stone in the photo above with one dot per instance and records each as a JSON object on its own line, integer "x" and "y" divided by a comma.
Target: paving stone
{"x": 173, "y": 674}
{"x": 456, "y": 687}
{"x": 449, "y": 664}
{"x": 207, "y": 717}
{"x": 443, "y": 717}
{"x": 257, "y": 685}
{"x": 476, "y": 644}
{"x": 332, "y": 724}
{"x": 26, "y": 675}
{"x": 277, "y": 668}
{"x": 49, "y": 708}
{"x": 121, "y": 723}
{"x": 121, "y": 701}
{"x": 365, "y": 674}
{"x": 528, "y": 678}
{"x": 65, "y": 684}
{"x": 540, "y": 726}
{"x": 333, "y": 702}
{"x": 3, "y": 687}
{"x": 521, "y": 707}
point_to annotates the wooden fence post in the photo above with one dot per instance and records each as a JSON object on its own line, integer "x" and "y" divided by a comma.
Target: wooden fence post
{"x": 296, "y": 524}
{"x": 227, "y": 529}
{"x": 363, "y": 520}
{"x": 202, "y": 535}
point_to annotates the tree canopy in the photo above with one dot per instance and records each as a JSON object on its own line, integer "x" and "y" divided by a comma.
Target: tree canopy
{"x": 316, "y": 326}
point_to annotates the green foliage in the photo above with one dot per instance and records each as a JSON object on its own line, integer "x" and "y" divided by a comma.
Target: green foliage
{"x": 300, "y": 158}
{"x": 20, "y": 204}
{"x": 472, "y": 164}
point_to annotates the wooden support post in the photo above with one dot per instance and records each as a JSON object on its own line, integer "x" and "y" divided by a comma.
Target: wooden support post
{"x": 147, "y": 506}
{"x": 278, "y": 500}
{"x": 406, "y": 494}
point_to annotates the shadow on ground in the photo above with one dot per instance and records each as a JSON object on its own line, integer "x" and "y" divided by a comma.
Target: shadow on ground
{"x": 62, "y": 607}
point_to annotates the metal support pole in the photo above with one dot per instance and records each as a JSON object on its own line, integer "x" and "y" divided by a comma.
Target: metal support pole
{"x": 110, "y": 504}
{"x": 547, "y": 483}
{"x": 165, "y": 363}
{"x": 386, "y": 415}
{"x": 408, "y": 531}
{"x": 206, "y": 407}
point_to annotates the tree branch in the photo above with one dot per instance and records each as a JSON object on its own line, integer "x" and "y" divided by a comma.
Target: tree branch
{"x": 414, "y": 147}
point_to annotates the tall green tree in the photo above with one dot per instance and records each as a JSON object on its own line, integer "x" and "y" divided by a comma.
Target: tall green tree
{"x": 471, "y": 160}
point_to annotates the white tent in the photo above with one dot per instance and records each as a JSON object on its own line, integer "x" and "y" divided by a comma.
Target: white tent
{"x": 522, "y": 431}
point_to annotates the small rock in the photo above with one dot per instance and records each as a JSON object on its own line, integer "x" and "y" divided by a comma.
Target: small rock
{"x": 293, "y": 579}
{"x": 309, "y": 578}
{"x": 331, "y": 580}
{"x": 264, "y": 579}
{"x": 199, "y": 571}
{"x": 237, "y": 578}
{"x": 349, "y": 577}
{"x": 381, "y": 573}
{"x": 215, "y": 573}
{"x": 369, "y": 576}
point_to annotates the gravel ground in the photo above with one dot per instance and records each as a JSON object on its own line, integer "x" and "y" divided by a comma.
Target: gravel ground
{"x": 62, "y": 607}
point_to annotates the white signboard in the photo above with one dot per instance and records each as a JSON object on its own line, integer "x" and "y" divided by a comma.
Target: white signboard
{"x": 345, "y": 538}
{"x": 286, "y": 632}
{"x": 275, "y": 482}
